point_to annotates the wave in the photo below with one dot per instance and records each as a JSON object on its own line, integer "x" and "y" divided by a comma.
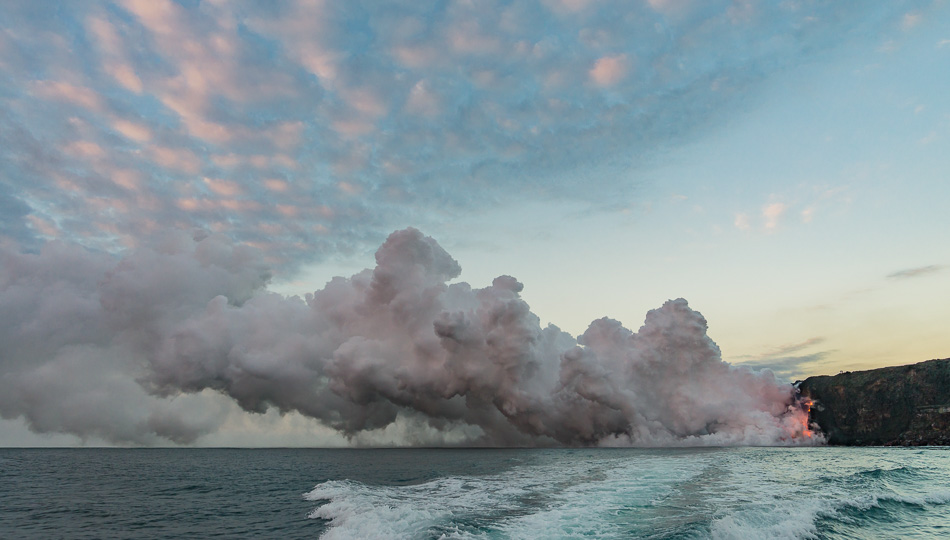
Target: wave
{"x": 428, "y": 510}
{"x": 826, "y": 517}
{"x": 883, "y": 473}
{"x": 894, "y": 500}
{"x": 721, "y": 495}
{"x": 576, "y": 499}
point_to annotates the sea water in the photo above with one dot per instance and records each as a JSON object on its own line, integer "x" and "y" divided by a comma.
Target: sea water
{"x": 834, "y": 493}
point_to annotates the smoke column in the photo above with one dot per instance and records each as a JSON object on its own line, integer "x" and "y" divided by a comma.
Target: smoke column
{"x": 94, "y": 345}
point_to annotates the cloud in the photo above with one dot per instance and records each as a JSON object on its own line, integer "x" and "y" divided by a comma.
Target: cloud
{"x": 808, "y": 214}
{"x": 790, "y": 367}
{"x": 133, "y": 130}
{"x": 806, "y": 200}
{"x": 13, "y": 213}
{"x": 69, "y": 93}
{"x": 741, "y": 222}
{"x": 114, "y": 53}
{"x": 917, "y": 272}
{"x": 451, "y": 106}
{"x": 772, "y": 213}
{"x": 137, "y": 350}
{"x": 792, "y": 348}
{"x": 784, "y": 362}
{"x": 910, "y": 20}
{"x": 609, "y": 70}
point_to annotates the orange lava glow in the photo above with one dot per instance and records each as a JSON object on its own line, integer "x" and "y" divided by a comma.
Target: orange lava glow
{"x": 806, "y": 405}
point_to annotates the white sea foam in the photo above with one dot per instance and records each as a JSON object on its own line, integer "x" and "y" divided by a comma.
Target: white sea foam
{"x": 581, "y": 499}
{"x": 355, "y": 510}
{"x": 727, "y": 494}
{"x": 773, "y": 520}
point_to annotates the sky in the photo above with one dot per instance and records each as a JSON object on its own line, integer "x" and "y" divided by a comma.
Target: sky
{"x": 782, "y": 166}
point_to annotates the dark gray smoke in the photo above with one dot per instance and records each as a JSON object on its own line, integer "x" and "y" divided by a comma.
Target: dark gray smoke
{"x": 96, "y": 346}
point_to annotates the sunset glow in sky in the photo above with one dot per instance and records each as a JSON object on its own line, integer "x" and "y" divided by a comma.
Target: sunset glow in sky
{"x": 783, "y": 166}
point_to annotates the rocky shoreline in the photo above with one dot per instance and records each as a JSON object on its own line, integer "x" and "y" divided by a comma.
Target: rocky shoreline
{"x": 893, "y": 406}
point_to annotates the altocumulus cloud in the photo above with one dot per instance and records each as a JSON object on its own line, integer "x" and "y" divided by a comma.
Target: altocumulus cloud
{"x": 305, "y": 128}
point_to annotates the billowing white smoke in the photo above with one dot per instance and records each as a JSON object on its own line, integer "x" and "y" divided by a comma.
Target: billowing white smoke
{"x": 395, "y": 342}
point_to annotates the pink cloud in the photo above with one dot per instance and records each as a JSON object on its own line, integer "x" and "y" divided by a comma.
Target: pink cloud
{"x": 239, "y": 205}
{"x": 568, "y": 6}
{"x": 126, "y": 178}
{"x": 227, "y": 161}
{"x": 609, "y": 70}
{"x": 69, "y": 93}
{"x": 125, "y": 75}
{"x": 353, "y": 127}
{"x": 180, "y": 159}
{"x": 772, "y": 213}
{"x": 225, "y": 188}
{"x": 132, "y": 130}
{"x": 192, "y": 204}
{"x": 113, "y": 49}
{"x": 365, "y": 101}
{"x": 276, "y": 184}
{"x": 85, "y": 149}
{"x": 287, "y": 210}
{"x": 348, "y": 188}
{"x": 43, "y": 226}
{"x": 286, "y": 135}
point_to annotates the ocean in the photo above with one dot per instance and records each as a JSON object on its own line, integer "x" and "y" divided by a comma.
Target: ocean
{"x": 823, "y": 492}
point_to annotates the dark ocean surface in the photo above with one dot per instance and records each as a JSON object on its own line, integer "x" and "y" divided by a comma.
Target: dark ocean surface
{"x": 834, "y": 493}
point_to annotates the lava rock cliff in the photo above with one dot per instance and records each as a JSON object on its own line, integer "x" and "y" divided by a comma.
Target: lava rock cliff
{"x": 892, "y": 406}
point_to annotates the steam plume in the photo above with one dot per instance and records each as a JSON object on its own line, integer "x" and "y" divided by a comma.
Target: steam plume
{"x": 395, "y": 343}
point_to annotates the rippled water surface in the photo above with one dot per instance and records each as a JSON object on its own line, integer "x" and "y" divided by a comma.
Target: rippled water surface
{"x": 834, "y": 493}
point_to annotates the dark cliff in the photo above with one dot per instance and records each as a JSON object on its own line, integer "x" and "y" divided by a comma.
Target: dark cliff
{"x": 902, "y": 405}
